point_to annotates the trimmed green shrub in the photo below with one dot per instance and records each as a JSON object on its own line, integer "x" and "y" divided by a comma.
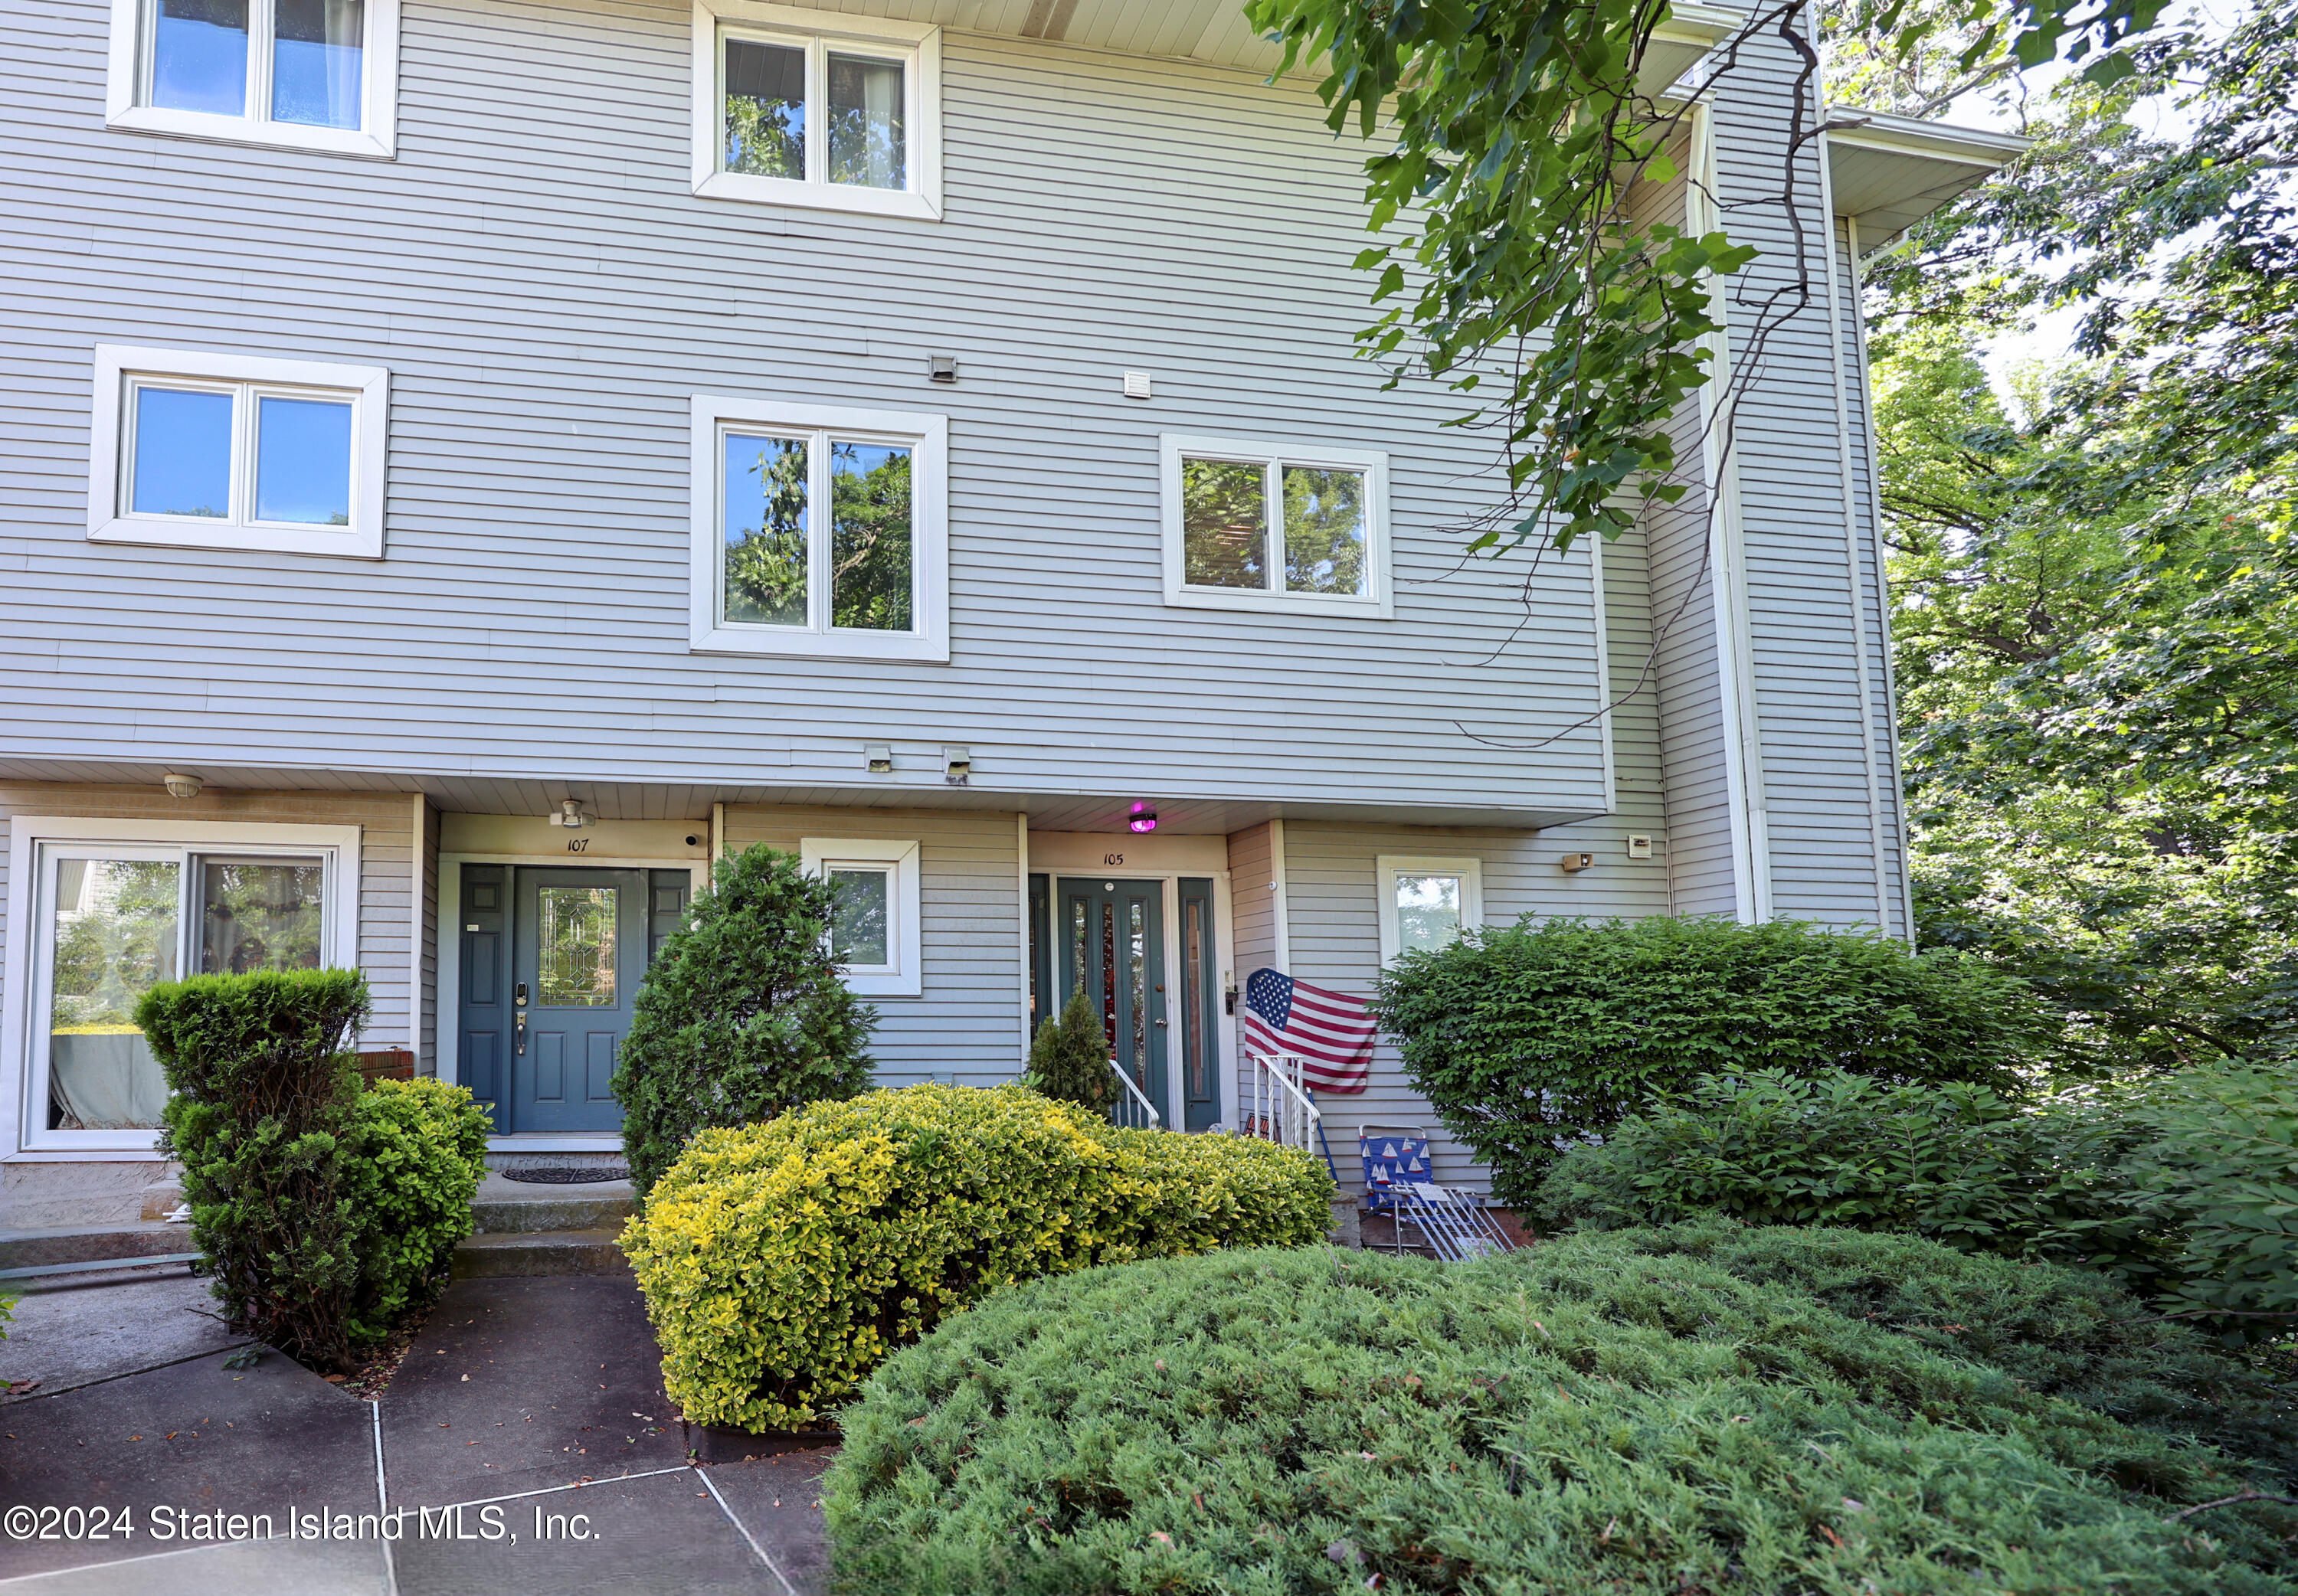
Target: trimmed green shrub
{"x": 741, "y": 1016}
{"x": 1589, "y": 1415}
{"x": 2183, "y": 1189}
{"x": 1530, "y": 1038}
{"x": 781, "y": 1262}
{"x": 2064, "y": 1332}
{"x": 1069, "y": 1059}
{"x": 1955, "y": 1162}
{"x": 261, "y": 1120}
{"x": 422, "y": 1153}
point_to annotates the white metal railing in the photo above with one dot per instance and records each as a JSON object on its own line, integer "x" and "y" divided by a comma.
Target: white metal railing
{"x": 1282, "y": 1109}
{"x": 1140, "y": 1113}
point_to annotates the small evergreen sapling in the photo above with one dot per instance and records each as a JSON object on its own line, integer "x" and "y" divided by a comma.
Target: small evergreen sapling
{"x": 1069, "y": 1060}
{"x": 741, "y": 1017}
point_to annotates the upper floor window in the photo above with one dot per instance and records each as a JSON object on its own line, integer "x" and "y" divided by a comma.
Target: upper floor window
{"x": 1250, "y": 527}
{"x": 312, "y": 74}
{"x": 819, "y": 531}
{"x": 230, "y": 452}
{"x": 798, "y": 108}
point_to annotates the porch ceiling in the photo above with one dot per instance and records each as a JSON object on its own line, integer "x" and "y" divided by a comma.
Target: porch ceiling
{"x": 1177, "y": 815}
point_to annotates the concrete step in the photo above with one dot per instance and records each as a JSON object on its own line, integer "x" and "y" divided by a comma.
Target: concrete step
{"x": 542, "y": 1253}
{"x": 88, "y": 1243}
{"x": 513, "y": 1207}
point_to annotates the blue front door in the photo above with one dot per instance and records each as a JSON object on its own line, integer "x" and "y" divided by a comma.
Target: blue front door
{"x": 552, "y": 958}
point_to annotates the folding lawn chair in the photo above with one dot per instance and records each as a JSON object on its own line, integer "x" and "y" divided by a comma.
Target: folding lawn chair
{"x": 1453, "y": 1224}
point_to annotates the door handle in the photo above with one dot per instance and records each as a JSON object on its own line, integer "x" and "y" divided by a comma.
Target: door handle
{"x": 522, "y": 1033}
{"x": 1159, "y": 1022}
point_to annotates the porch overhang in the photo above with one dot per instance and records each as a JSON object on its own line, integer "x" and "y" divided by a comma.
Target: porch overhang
{"x": 1889, "y": 172}
{"x": 619, "y": 796}
{"x": 1216, "y": 33}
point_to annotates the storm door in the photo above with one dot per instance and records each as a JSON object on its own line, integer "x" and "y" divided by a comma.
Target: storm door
{"x": 1111, "y": 942}
{"x": 552, "y": 959}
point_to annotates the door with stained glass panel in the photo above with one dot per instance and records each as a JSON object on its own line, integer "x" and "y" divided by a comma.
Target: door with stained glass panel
{"x": 1111, "y": 941}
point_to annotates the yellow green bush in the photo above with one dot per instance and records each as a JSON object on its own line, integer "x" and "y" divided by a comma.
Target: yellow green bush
{"x": 783, "y": 1261}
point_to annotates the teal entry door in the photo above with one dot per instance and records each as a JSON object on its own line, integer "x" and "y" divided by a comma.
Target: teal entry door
{"x": 552, "y": 959}
{"x": 1111, "y": 941}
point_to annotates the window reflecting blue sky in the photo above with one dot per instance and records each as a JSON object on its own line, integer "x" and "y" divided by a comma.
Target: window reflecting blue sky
{"x": 315, "y": 63}
{"x": 304, "y": 461}
{"x": 182, "y": 453}
{"x": 199, "y": 56}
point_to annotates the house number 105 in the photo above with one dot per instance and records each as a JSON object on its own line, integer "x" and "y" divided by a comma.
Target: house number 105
{"x": 1112, "y": 858}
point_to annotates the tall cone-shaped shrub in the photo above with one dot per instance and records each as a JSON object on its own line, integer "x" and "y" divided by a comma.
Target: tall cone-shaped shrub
{"x": 742, "y": 1016}
{"x": 1069, "y": 1058}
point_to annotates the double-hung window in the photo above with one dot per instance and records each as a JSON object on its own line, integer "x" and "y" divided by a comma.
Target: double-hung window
{"x": 103, "y": 911}
{"x": 310, "y": 74}
{"x": 1426, "y": 903}
{"x": 799, "y": 108}
{"x": 1297, "y": 530}
{"x": 874, "y": 934}
{"x": 819, "y": 531}
{"x": 228, "y": 452}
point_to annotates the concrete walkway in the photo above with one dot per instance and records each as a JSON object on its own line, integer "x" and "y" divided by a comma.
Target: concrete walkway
{"x": 526, "y": 1438}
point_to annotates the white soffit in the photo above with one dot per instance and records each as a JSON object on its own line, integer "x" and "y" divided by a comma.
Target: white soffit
{"x": 1215, "y": 31}
{"x": 1892, "y": 171}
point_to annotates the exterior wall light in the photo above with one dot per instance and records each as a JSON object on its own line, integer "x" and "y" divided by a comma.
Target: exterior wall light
{"x": 1140, "y": 818}
{"x": 1573, "y": 864}
{"x": 181, "y": 786}
{"x": 570, "y": 813}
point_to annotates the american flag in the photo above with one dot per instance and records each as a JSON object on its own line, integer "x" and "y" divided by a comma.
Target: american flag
{"x": 1332, "y": 1031}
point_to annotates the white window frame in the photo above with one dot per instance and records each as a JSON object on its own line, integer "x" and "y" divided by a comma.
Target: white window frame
{"x": 34, "y": 842}
{"x": 925, "y": 436}
{"x": 375, "y": 139}
{"x": 1388, "y": 867}
{"x": 1376, "y": 600}
{"x": 917, "y": 45}
{"x": 906, "y": 976}
{"x": 120, "y": 368}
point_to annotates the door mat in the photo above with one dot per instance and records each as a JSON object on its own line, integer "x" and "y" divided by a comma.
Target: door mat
{"x": 566, "y": 1174}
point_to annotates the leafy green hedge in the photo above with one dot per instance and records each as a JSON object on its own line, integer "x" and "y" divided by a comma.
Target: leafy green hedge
{"x": 2184, "y": 1189}
{"x": 1528, "y": 1038}
{"x": 1613, "y": 1413}
{"x": 1956, "y": 1163}
{"x": 422, "y": 1153}
{"x": 782, "y": 1261}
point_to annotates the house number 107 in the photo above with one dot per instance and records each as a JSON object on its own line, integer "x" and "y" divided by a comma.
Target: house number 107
{"x": 576, "y": 844}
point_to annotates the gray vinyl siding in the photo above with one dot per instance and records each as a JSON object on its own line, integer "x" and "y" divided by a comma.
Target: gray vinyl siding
{"x": 966, "y": 1028}
{"x": 548, "y": 294}
{"x": 1333, "y": 914}
{"x": 387, "y": 861}
{"x": 1806, "y": 615}
{"x": 1252, "y": 901}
